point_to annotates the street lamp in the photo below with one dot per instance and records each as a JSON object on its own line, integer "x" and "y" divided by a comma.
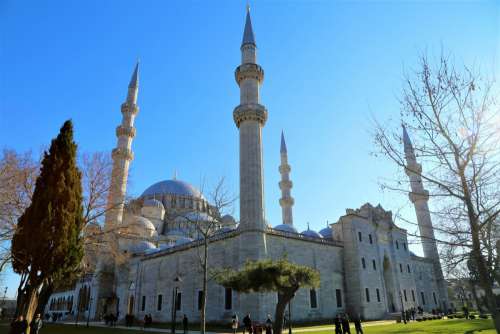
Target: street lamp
{"x": 177, "y": 279}
{"x": 88, "y": 311}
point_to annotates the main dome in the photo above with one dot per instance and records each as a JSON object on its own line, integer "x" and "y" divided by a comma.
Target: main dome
{"x": 172, "y": 187}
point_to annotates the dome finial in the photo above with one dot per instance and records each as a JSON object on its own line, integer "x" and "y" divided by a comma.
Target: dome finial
{"x": 175, "y": 175}
{"x": 308, "y": 226}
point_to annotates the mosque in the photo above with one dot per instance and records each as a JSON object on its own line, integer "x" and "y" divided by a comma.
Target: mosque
{"x": 364, "y": 262}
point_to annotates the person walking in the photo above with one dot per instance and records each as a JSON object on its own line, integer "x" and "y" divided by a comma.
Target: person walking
{"x": 338, "y": 324}
{"x": 234, "y": 323}
{"x": 36, "y": 324}
{"x": 357, "y": 325}
{"x": 185, "y": 323}
{"x": 269, "y": 325}
{"x": 345, "y": 325}
{"x": 247, "y": 324}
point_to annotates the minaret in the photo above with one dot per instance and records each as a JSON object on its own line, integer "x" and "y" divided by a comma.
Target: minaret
{"x": 286, "y": 200}
{"x": 250, "y": 117}
{"x": 122, "y": 154}
{"x": 419, "y": 197}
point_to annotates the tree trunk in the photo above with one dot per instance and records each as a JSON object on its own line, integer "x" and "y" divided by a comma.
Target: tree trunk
{"x": 283, "y": 300}
{"x": 43, "y": 298}
{"x": 204, "y": 299}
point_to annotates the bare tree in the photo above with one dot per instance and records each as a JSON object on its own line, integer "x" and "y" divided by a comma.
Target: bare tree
{"x": 221, "y": 202}
{"x": 452, "y": 116}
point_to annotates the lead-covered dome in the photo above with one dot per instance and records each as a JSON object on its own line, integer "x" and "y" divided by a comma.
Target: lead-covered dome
{"x": 138, "y": 226}
{"x": 326, "y": 233}
{"x": 172, "y": 187}
{"x": 153, "y": 203}
{"x": 311, "y": 234}
{"x": 286, "y": 228}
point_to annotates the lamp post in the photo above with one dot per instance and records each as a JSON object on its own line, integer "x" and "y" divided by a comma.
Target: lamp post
{"x": 177, "y": 279}
{"x": 88, "y": 311}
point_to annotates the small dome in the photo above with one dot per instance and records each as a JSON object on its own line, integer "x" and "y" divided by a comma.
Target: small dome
{"x": 182, "y": 241}
{"x": 286, "y": 228}
{"x": 141, "y": 246}
{"x": 225, "y": 229}
{"x": 326, "y": 233}
{"x": 172, "y": 187}
{"x": 311, "y": 234}
{"x": 228, "y": 220}
{"x": 153, "y": 203}
{"x": 139, "y": 226}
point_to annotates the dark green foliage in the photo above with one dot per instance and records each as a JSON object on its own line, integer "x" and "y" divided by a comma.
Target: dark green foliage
{"x": 269, "y": 276}
{"x": 47, "y": 244}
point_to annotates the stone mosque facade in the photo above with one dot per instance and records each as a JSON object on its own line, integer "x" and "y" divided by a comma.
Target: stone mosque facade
{"x": 364, "y": 262}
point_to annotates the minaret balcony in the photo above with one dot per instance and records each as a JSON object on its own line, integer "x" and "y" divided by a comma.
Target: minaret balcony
{"x": 284, "y": 169}
{"x": 249, "y": 71}
{"x": 128, "y": 108}
{"x": 286, "y": 201}
{"x": 250, "y": 112}
{"x": 128, "y": 131}
{"x": 122, "y": 153}
{"x": 416, "y": 197}
{"x": 285, "y": 184}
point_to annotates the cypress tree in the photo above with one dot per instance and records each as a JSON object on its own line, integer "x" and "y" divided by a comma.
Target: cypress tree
{"x": 47, "y": 245}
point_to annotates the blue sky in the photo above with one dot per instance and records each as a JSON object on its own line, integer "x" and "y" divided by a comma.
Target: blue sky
{"x": 330, "y": 67}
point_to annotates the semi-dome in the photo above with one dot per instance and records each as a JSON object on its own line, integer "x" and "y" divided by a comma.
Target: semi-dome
{"x": 228, "y": 220}
{"x": 153, "y": 203}
{"x": 286, "y": 228}
{"x": 326, "y": 232}
{"x": 194, "y": 217}
{"x": 172, "y": 187}
{"x": 311, "y": 234}
{"x": 139, "y": 226}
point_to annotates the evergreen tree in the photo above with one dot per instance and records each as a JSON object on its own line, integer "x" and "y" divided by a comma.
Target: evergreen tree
{"x": 47, "y": 245}
{"x": 280, "y": 276}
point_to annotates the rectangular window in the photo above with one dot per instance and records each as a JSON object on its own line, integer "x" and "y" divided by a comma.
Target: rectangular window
{"x": 397, "y": 244}
{"x": 160, "y": 301}
{"x": 367, "y": 295}
{"x": 363, "y": 262}
{"x": 360, "y": 237}
{"x": 338, "y": 296}
{"x": 228, "y": 300}
{"x": 400, "y": 267}
{"x": 312, "y": 297}
{"x": 434, "y": 297}
{"x": 404, "y": 292}
{"x": 178, "y": 300}
{"x": 404, "y": 245}
{"x": 409, "y": 271}
{"x": 413, "y": 295}
{"x": 370, "y": 237}
{"x": 378, "y": 295}
{"x": 143, "y": 304}
{"x": 200, "y": 299}
{"x": 423, "y": 297}
{"x": 374, "y": 265}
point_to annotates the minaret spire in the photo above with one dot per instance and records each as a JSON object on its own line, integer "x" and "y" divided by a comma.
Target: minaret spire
{"x": 420, "y": 197}
{"x": 122, "y": 154}
{"x": 250, "y": 117}
{"x": 286, "y": 200}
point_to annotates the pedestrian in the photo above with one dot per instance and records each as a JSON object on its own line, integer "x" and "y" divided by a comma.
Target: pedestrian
{"x": 234, "y": 323}
{"x": 185, "y": 324}
{"x": 247, "y": 324}
{"x": 36, "y": 324}
{"x": 345, "y": 325}
{"x": 269, "y": 325}
{"x": 403, "y": 316}
{"x": 357, "y": 325}
{"x": 338, "y": 324}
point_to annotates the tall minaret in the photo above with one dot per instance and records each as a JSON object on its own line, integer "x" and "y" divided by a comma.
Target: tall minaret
{"x": 286, "y": 200}
{"x": 419, "y": 197}
{"x": 122, "y": 154}
{"x": 250, "y": 116}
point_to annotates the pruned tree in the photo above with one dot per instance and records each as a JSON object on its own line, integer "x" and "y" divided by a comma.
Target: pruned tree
{"x": 452, "y": 116}
{"x": 47, "y": 245}
{"x": 221, "y": 202}
{"x": 281, "y": 276}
